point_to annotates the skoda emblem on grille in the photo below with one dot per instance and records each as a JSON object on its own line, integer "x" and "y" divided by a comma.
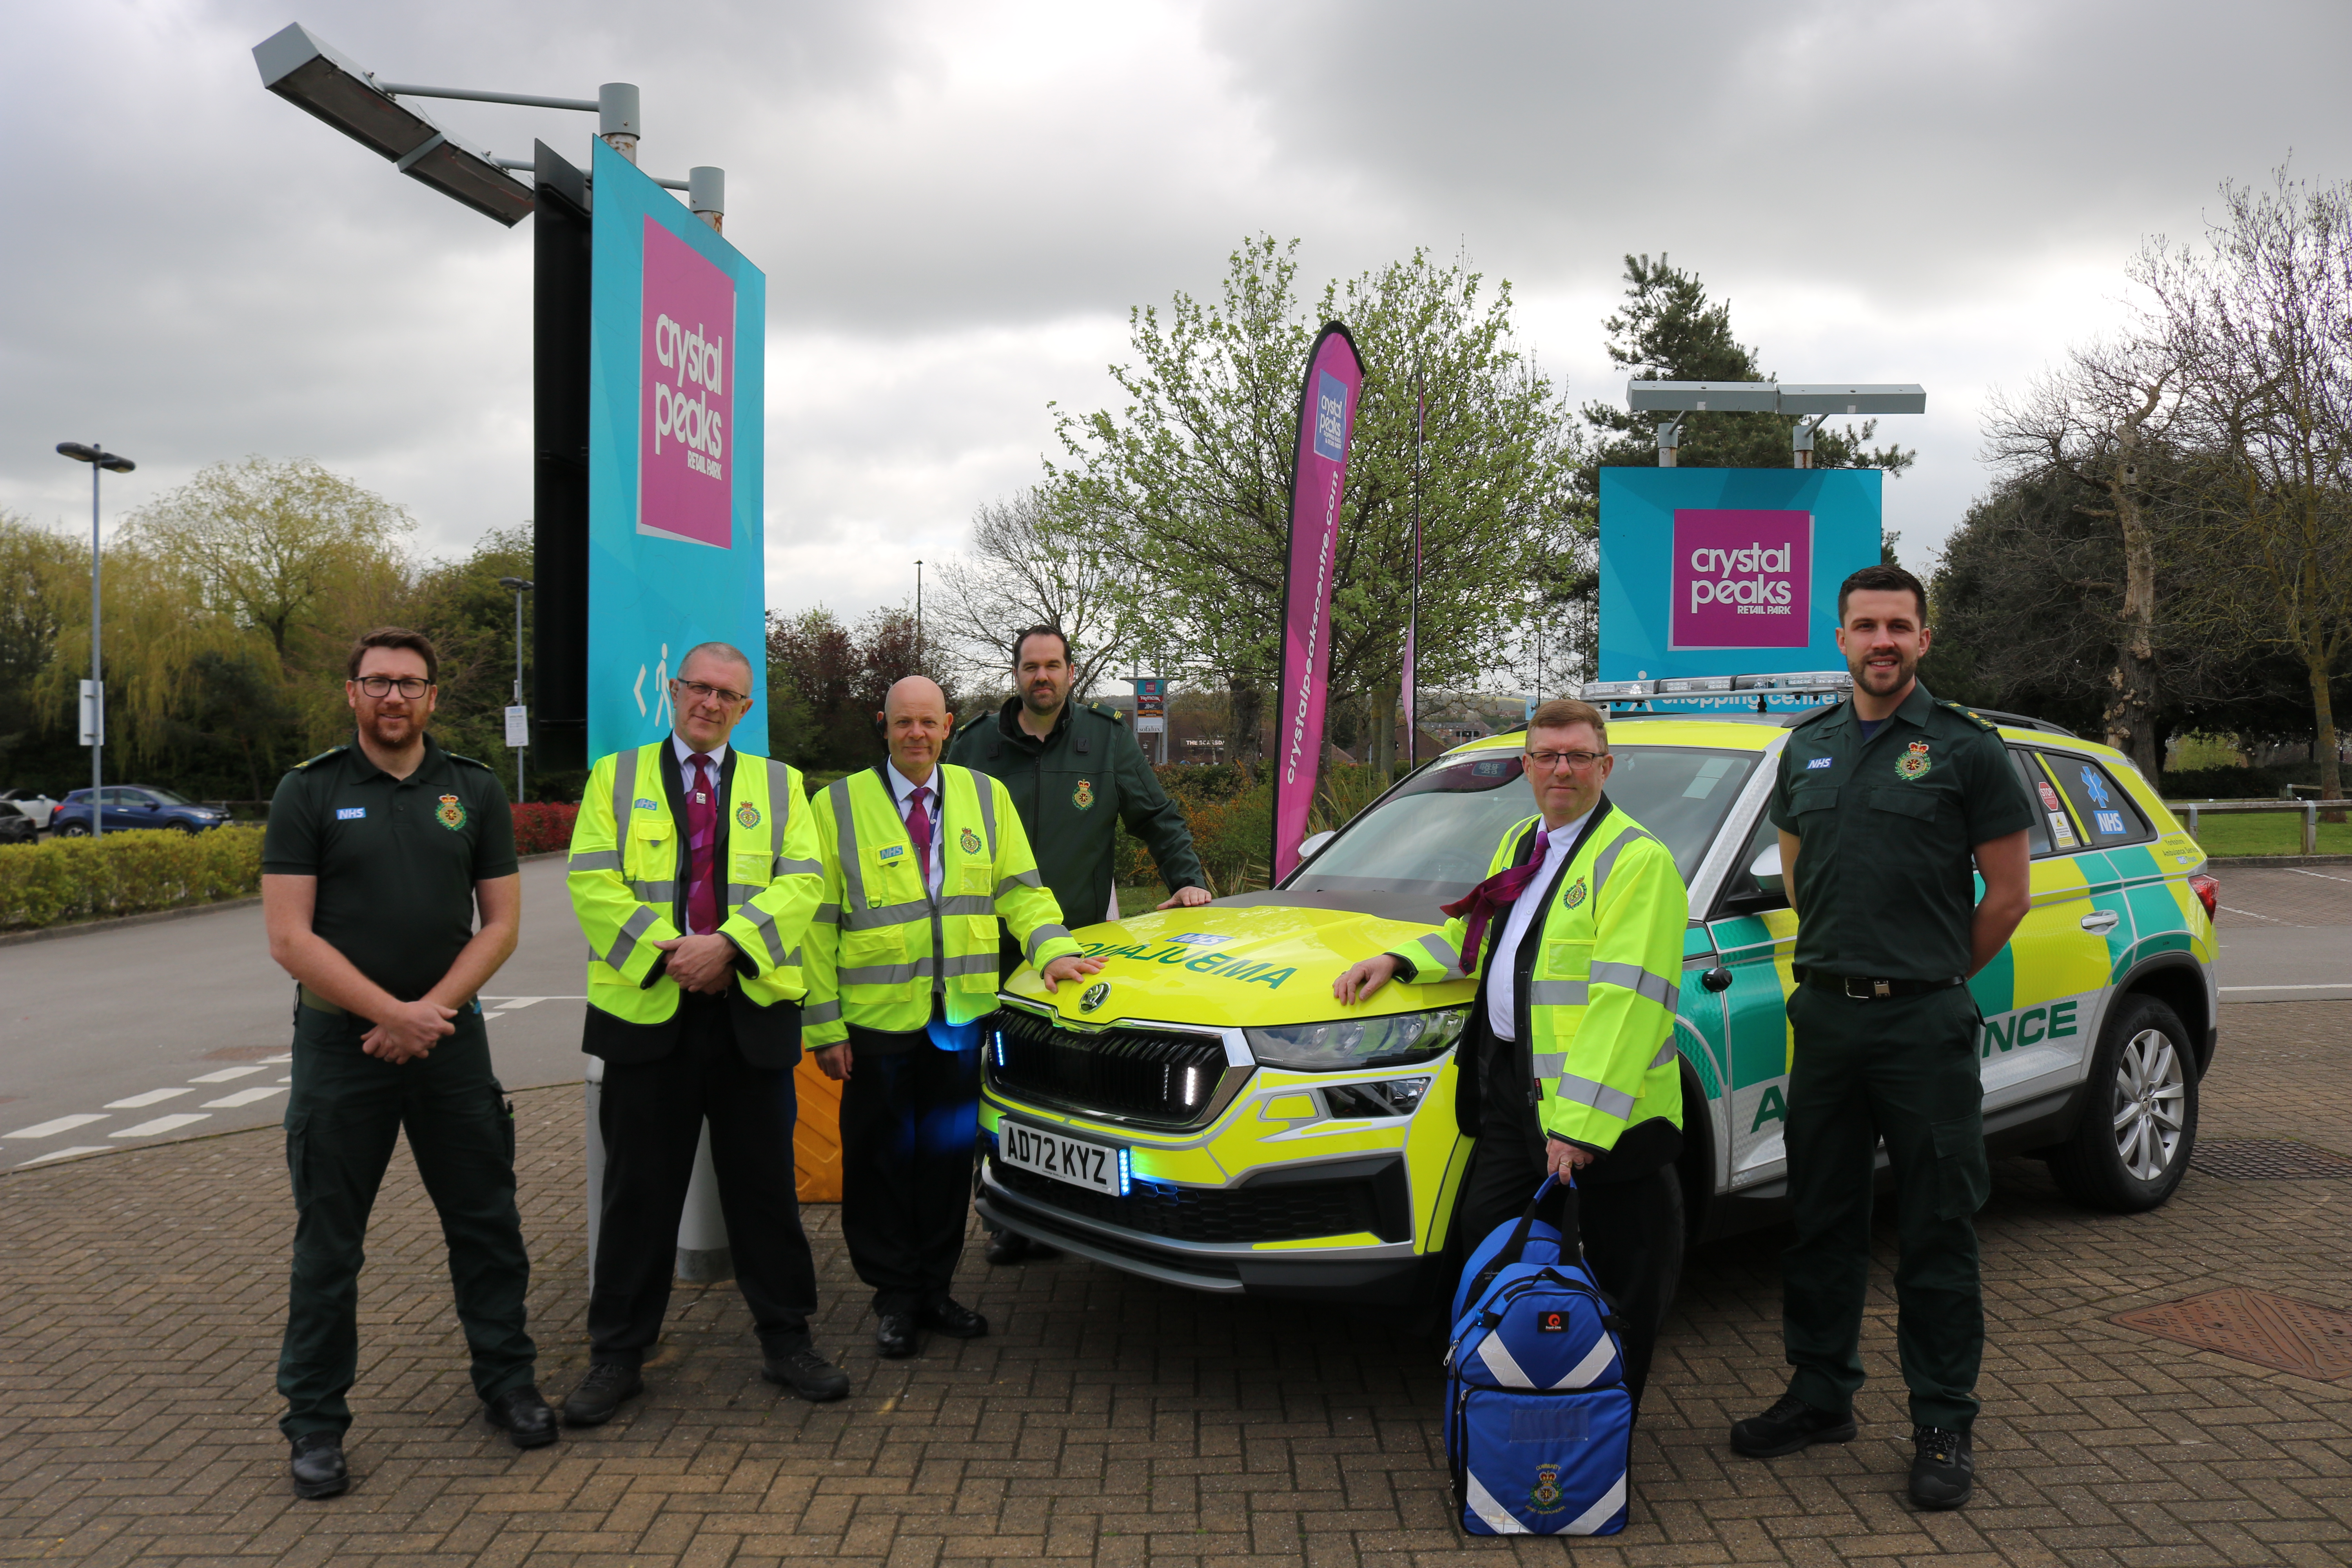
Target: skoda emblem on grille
{"x": 1094, "y": 996}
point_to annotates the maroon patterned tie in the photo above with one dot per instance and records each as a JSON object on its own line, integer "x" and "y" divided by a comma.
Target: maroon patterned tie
{"x": 701, "y": 838}
{"x": 919, "y": 829}
{"x": 1499, "y": 891}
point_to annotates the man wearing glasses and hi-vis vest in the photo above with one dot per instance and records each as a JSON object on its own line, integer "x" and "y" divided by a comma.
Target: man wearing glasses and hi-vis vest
{"x": 1568, "y": 1062}
{"x": 694, "y": 872}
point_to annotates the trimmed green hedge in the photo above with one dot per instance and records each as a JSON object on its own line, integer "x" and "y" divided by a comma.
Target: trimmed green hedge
{"x": 125, "y": 874}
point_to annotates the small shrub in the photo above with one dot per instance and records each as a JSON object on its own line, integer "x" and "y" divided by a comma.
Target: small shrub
{"x": 125, "y": 874}
{"x": 542, "y": 826}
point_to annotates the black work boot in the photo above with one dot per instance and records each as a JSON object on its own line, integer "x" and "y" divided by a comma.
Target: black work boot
{"x": 594, "y": 1399}
{"x": 1788, "y": 1426}
{"x": 523, "y": 1416}
{"x": 805, "y": 1372}
{"x": 1943, "y": 1470}
{"x": 318, "y": 1469}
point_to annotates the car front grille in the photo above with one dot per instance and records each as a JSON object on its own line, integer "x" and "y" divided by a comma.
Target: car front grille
{"x": 1153, "y": 1077}
{"x": 1267, "y": 1210}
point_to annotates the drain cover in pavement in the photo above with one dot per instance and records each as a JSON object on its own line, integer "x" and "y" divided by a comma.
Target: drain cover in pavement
{"x": 2256, "y": 1326}
{"x": 2270, "y": 1159}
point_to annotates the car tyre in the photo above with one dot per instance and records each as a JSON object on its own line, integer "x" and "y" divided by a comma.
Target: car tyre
{"x": 73, "y": 829}
{"x": 2137, "y": 1128}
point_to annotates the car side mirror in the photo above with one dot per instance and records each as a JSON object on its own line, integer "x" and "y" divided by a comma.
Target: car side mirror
{"x": 1314, "y": 841}
{"x": 1766, "y": 871}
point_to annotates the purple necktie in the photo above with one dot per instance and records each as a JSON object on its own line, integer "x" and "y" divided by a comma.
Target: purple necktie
{"x": 1499, "y": 891}
{"x": 919, "y": 829}
{"x": 701, "y": 837}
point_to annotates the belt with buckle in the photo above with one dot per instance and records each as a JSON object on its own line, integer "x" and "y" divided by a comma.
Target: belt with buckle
{"x": 1866, "y": 988}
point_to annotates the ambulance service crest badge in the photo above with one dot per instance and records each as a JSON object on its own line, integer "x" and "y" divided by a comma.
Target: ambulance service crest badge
{"x": 748, "y": 815}
{"x": 1575, "y": 894}
{"x": 1915, "y": 762}
{"x": 451, "y": 813}
{"x": 1545, "y": 1496}
{"x": 970, "y": 840}
{"x": 1083, "y": 797}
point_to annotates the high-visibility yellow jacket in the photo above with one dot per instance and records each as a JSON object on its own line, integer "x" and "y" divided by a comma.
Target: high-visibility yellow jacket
{"x": 627, "y": 876}
{"x": 1599, "y": 1034}
{"x": 880, "y": 945}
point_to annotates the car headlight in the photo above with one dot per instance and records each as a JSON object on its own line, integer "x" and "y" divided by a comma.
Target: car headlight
{"x": 1340, "y": 1044}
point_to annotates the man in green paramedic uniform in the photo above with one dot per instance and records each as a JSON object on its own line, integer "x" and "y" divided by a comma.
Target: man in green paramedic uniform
{"x": 1880, "y": 804}
{"x": 377, "y": 859}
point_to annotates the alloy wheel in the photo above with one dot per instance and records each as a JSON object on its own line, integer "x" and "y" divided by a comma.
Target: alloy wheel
{"x": 2150, "y": 1090}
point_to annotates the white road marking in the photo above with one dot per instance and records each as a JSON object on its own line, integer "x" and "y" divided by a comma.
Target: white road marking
{"x": 243, "y": 1097}
{"x": 289, "y": 1055}
{"x": 153, "y": 1096}
{"x": 2322, "y": 876}
{"x": 2233, "y": 909}
{"x": 66, "y": 1153}
{"x": 225, "y": 1075}
{"x": 161, "y": 1124}
{"x": 62, "y": 1124}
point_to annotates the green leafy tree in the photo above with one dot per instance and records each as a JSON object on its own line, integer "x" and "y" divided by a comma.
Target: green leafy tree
{"x": 471, "y": 620}
{"x": 1189, "y": 479}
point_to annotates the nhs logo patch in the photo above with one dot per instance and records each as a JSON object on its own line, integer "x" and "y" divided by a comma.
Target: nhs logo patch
{"x": 645, "y": 805}
{"x": 1820, "y": 763}
{"x": 1331, "y": 418}
{"x": 350, "y": 813}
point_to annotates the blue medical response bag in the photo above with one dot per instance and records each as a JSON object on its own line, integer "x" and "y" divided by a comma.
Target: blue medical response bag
{"x": 1538, "y": 1423}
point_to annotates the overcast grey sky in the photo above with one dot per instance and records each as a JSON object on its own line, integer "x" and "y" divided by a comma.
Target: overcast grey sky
{"x": 957, "y": 203}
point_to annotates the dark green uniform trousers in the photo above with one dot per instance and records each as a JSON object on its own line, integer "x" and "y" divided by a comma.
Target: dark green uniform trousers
{"x": 346, "y": 1109}
{"x": 1903, "y": 1068}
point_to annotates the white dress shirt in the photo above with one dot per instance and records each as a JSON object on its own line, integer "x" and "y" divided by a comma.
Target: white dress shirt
{"x": 902, "y": 790}
{"x": 1502, "y": 995}
{"x": 717, "y": 755}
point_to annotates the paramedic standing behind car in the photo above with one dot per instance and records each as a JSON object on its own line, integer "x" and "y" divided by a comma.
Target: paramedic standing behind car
{"x": 1075, "y": 773}
{"x": 1567, "y": 1063}
{"x": 1881, "y": 801}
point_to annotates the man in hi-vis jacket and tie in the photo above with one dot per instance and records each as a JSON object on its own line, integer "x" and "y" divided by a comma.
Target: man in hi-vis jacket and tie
{"x": 922, "y": 860}
{"x": 694, "y": 872}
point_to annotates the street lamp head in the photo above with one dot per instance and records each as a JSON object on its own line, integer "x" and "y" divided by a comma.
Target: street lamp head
{"x": 516, "y": 584}
{"x": 319, "y": 82}
{"x": 81, "y": 453}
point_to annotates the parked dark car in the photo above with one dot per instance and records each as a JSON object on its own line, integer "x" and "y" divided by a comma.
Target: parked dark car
{"x": 135, "y": 805}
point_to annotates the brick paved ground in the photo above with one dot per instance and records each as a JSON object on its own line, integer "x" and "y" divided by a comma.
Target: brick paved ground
{"x": 1116, "y": 1422}
{"x": 2290, "y": 896}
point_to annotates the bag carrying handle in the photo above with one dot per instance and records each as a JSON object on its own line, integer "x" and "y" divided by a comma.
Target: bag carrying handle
{"x": 1572, "y": 1240}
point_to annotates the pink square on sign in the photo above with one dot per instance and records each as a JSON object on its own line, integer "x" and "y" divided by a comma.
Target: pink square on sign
{"x": 1741, "y": 579}
{"x": 686, "y": 398}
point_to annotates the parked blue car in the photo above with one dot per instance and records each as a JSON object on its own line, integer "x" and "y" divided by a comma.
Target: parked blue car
{"x": 135, "y": 805}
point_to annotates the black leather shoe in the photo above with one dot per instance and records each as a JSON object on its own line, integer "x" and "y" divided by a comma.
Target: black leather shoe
{"x": 523, "y": 1416}
{"x": 596, "y": 1396}
{"x": 318, "y": 1469}
{"x": 806, "y": 1374}
{"x": 1943, "y": 1470}
{"x": 1788, "y": 1426}
{"x": 1011, "y": 1246}
{"x": 952, "y": 1319}
{"x": 895, "y": 1336}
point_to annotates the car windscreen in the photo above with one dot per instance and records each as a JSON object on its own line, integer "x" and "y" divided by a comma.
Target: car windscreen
{"x": 1438, "y": 831}
{"x": 169, "y": 796}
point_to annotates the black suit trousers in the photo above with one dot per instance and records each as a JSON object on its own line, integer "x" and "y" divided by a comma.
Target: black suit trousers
{"x": 1633, "y": 1230}
{"x": 651, "y": 1116}
{"x": 910, "y": 1117}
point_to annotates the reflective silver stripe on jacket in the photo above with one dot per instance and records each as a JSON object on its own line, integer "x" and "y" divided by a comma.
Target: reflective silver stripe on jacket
{"x": 1610, "y": 1101}
{"x": 1665, "y": 1054}
{"x": 985, "y": 787}
{"x": 971, "y": 964}
{"x": 1608, "y": 858}
{"x": 653, "y": 892}
{"x": 1556, "y": 993}
{"x": 1449, "y": 960}
{"x": 1025, "y": 880}
{"x": 641, "y": 920}
{"x": 967, "y": 904}
{"x": 821, "y": 1013}
{"x": 624, "y": 794}
{"x": 1549, "y": 1064}
{"x": 886, "y": 974}
{"x": 783, "y": 868}
{"x": 765, "y": 923}
{"x": 594, "y": 860}
{"x": 780, "y": 806}
{"x": 741, "y": 893}
{"x": 853, "y": 881}
{"x": 856, "y": 918}
{"x": 826, "y": 915}
{"x": 1639, "y": 981}
{"x": 1043, "y": 935}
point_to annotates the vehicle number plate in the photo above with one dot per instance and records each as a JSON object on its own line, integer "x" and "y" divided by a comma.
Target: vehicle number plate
{"x": 1060, "y": 1156}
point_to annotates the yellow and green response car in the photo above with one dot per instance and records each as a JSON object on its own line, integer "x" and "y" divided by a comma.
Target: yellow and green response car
{"x": 1205, "y": 1113}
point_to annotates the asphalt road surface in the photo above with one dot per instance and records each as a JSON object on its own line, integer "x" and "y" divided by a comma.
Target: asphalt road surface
{"x": 180, "y": 1029}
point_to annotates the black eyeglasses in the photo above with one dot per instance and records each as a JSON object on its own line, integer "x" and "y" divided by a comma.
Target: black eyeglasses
{"x": 700, "y": 693}
{"x": 409, "y": 686}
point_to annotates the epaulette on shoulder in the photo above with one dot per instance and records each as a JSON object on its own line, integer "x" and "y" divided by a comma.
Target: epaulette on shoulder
{"x": 1099, "y": 712}
{"x": 322, "y": 756}
{"x": 459, "y": 757}
{"x": 1816, "y": 716}
{"x": 1971, "y": 715}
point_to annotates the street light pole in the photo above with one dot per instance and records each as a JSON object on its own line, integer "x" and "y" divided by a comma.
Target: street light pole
{"x": 520, "y": 586}
{"x": 97, "y": 457}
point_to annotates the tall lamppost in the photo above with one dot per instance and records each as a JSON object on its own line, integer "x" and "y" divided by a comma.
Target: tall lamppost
{"x": 518, "y": 716}
{"x": 93, "y": 690}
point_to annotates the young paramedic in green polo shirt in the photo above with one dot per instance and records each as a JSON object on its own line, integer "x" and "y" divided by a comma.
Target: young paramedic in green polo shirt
{"x": 1882, "y": 802}
{"x": 1568, "y": 1062}
{"x": 378, "y": 856}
